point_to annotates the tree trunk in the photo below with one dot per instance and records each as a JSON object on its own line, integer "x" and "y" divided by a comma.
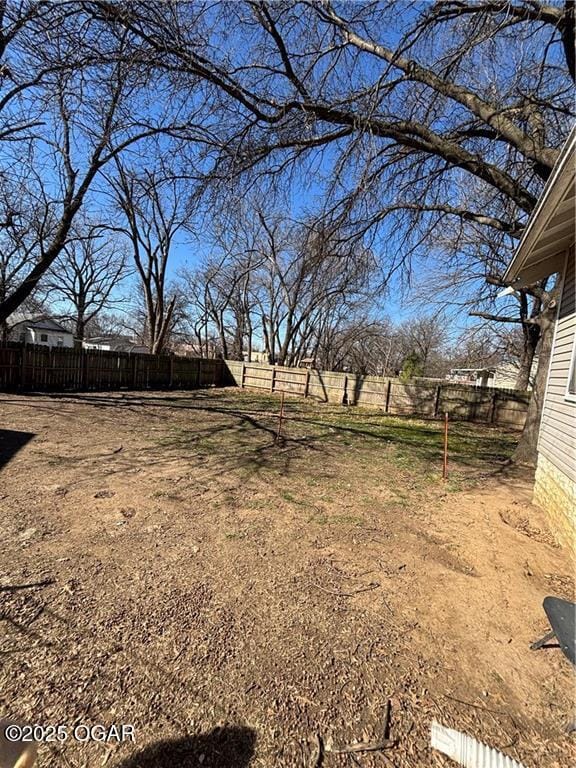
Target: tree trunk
{"x": 249, "y": 334}
{"x": 526, "y": 451}
{"x": 80, "y": 326}
{"x": 222, "y": 335}
{"x": 238, "y": 340}
{"x": 283, "y": 353}
{"x": 531, "y": 341}
{"x": 267, "y": 347}
{"x": 162, "y": 329}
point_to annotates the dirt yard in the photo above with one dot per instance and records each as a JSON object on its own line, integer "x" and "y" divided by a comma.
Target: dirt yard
{"x": 235, "y": 599}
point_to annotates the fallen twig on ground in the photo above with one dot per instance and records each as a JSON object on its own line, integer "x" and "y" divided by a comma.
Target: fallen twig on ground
{"x": 33, "y": 585}
{"x": 316, "y": 756}
{"x": 370, "y": 746}
{"x": 365, "y": 746}
{"x": 369, "y": 588}
{"x": 386, "y": 729}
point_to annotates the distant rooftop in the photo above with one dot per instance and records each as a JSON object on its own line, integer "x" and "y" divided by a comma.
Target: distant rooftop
{"x": 117, "y": 343}
{"x": 44, "y": 322}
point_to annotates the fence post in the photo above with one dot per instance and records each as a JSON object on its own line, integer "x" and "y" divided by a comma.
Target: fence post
{"x": 134, "y": 370}
{"x": 23, "y": 368}
{"x": 388, "y": 389}
{"x": 84, "y": 379}
{"x": 437, "y": 401}
{"x": 273, "y": 379}
{"x": 493, "y": 407}
{"x": 307, "y": 382}
{"x": 345, "y": 391}
{"x": 242, "y": 375}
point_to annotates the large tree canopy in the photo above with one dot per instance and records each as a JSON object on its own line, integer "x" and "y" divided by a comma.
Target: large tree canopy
{"x": 431, "y": 128}
{"x": 74, "y": 95}
{"x": 415, "y": 119}
{"x": 482, "y": 88}
{"x": 426, "y": 130}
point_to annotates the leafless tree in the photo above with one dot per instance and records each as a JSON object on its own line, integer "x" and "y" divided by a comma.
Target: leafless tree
{"x": 357, "y": 344}
{"x": 481, "y": 346}
{"x": 281, "y": 278}
{"x": 74, "y": 94}
{"x": 110, "y": 323}
{"x": 20, "y": 231}
{"x": 153, "y": 209}
{"x": 84, "y": 277}
{"x": 219, "y": 294}
{"x": 469, "y": 279}
{"x": 423, "y": 338}
{"x": 470, "y": 97}
{"x": 308, "y": 274}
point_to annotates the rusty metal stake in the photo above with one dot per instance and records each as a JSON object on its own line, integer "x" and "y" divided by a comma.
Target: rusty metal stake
{"x": 445, "y": 467}
{"x": 280, "y": 417}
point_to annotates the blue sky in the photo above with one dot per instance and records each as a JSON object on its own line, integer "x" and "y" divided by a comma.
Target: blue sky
{"x": 304, "y": 193}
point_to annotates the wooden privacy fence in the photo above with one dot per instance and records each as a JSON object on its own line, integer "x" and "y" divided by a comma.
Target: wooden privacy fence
{"x": 419, "y": 397}
{"x": 62, "y": 368}
{"x": 39, "y": 368}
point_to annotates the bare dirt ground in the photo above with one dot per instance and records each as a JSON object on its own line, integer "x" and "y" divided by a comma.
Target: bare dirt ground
{"x": 232, "y": 597}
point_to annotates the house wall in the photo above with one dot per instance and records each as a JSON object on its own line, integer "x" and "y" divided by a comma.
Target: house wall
{"x": 54, "y": 338}
{"x": 555, "y": 486}
{"x": 103, "y": 347}
{"x": 34, "y": 336}
{"x": 506, "y": 376}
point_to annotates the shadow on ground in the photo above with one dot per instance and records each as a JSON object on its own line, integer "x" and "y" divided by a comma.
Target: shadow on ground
{"x": 11, "y": 442}
{"x": 229, "y": 747}
{"x": 471, "y": 445}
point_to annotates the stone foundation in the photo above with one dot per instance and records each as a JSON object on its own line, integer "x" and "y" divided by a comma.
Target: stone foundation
{"x": 556, "y": 493}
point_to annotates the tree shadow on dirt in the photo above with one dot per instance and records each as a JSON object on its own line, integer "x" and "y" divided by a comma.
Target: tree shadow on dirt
{"x": 21, "y": 606}
{"x": 228, "y": 747}
{"x": 468, "y": 445}
{"x": 240, "y": 427}
{"x": 11, "y": 442}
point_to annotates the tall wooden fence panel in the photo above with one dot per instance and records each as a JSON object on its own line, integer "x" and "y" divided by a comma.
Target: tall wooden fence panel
{"x": 39, "y": 368}
{"x": 421, "y": 397}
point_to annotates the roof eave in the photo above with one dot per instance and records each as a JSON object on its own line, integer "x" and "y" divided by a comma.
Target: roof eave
{"x": 534, "y": 261}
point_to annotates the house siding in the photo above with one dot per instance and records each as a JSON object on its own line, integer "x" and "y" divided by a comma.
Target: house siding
{"x": 27, "y": 333}
{"x": 555, "y": 486}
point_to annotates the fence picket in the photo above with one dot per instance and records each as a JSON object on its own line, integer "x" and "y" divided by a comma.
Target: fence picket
{"x": 28, "y": 367}
{"x": 422, "y": 398}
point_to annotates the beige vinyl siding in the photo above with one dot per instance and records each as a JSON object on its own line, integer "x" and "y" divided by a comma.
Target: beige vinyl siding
{"x": 557, "y": 440}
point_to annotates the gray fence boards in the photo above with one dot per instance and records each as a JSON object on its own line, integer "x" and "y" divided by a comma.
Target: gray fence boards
{"x": 420, "y": 397}
{"x": 37, "y": 368}
{"x": 59, "y": 369}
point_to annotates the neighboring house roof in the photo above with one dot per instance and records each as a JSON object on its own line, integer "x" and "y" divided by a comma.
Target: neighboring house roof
{"x": 491, "y": 370}
{"x": 473, "y": 370}
{"x": 38, "y": 322}
{"x": 104, "y": 339}
{"x": 551, "y": 228}
{"x": 116, "y": 343}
